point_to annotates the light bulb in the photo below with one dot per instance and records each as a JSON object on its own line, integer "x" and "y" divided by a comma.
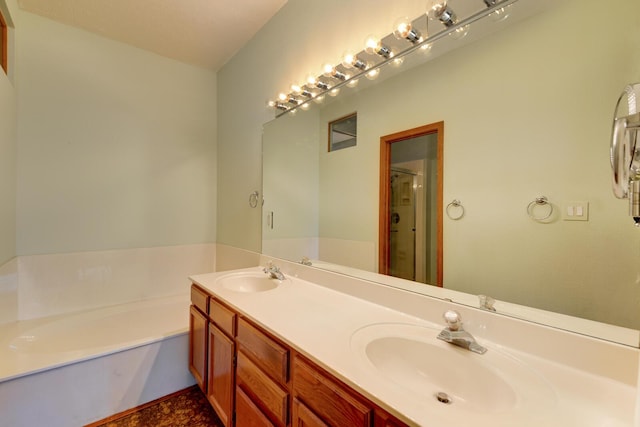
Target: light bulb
{"x": 371, "y": 45}
{"x": 334, "y": 92}
{"x": 331, "y": 71}
{"x": 374, "y": 46}
{"x": 305, "y": 106}
{"x": 328, "y": 70}
{"x": 403, "y": 29}
{"x": 372, "y": 74}
{"x": 435, "y": 8}
{"x": 352, "y": 83}
{"x": 319, "y": 99}
{"x": 438, "y": 9}
{"x": 282, "y": 97}
{"x": 312, "y": 80}
{"x": 296, "y": 89}
{"x": 349, "y": 60}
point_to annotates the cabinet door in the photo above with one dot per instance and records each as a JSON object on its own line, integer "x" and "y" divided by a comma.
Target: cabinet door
{"x": 220, "y": 385}
{"x": 198, "y": 347}
{"x": 304, "y": 417}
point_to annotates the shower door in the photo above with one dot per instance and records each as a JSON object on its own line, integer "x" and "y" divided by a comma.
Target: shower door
{"x": 402, "y": 239}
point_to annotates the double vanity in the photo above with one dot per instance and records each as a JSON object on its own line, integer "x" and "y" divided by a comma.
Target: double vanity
{"x": 305, "y": 347}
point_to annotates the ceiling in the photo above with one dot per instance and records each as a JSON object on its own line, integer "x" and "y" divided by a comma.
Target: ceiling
{"x": 205, "y": 33}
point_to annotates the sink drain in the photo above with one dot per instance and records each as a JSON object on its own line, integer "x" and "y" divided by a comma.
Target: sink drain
{"x": 443, "y": 397}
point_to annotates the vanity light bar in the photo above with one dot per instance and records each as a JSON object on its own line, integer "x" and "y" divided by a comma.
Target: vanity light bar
{"x": 352, "y": 67}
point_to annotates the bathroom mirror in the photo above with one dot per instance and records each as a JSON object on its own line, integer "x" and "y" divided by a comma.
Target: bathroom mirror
{"x": 527, "y": 112}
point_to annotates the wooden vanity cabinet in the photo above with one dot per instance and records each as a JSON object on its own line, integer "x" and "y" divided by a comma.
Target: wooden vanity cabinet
{"x": 252, "y": 379}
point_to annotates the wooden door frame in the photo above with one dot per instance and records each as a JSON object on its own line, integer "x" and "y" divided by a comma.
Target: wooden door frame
{"x": 384, "y": 211}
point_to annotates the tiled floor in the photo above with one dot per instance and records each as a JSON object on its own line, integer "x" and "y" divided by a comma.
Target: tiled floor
{"x": 188, "y": 408}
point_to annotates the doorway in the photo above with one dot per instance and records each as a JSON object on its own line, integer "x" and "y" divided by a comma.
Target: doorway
{"x": 410, "y": 229}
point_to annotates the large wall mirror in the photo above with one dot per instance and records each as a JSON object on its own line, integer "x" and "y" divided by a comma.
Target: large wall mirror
{"x": 528, "y": 112}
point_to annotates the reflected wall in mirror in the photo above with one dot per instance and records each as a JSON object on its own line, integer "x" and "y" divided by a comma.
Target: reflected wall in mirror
{"x": 528, "y": 112}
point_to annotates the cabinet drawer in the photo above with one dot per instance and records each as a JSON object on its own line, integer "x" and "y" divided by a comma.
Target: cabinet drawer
{"x": 304, "y": 417}
{"x": 265, "y": 392}
{"x": 224, "y": 318}
{"x": 247, "y": 413}
{"x": 200, "y": 299}
{"x": 267, "y": 353}
{"x": 325, "y": 397}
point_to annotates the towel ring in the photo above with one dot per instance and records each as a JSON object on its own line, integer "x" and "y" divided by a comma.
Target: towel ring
{"x": 455, "y": 204}
{"x": 253, "y": 199}
{"x": 539, "y": 201}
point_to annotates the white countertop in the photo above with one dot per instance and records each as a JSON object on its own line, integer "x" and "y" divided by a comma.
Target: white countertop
{"x": 319, "y": 322}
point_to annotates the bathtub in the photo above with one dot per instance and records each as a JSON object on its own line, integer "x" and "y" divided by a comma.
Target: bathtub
{"x": 73, "y": 369}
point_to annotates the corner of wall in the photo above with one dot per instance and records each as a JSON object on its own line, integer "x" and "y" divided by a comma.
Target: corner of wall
{"x": 232, "y": 258}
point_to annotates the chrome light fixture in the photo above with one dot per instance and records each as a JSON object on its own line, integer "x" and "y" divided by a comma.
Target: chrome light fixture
{"x": 353, "y": 66}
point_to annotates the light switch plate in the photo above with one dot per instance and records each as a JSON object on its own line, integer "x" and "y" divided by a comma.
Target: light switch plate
{"x": 576, "y": 211}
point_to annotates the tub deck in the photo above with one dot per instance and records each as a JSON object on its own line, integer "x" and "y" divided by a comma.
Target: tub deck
{"x": 32, "y": 346}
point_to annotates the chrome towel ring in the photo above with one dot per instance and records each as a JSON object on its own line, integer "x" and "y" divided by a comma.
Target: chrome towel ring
{"x": 253, "y": 199}
{"x": 539, "y": 201}
{"x": 455, "y": 205}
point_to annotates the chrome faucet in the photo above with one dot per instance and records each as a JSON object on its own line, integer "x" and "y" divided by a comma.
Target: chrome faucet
{"x": 273, "y": 271}
{"x": 486, "y": 302}
{"x": 456, "y": 335}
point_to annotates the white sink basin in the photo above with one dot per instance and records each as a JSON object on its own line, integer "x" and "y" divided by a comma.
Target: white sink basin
{"x": 248, "y": 282}
{"x": 444, "y": 375}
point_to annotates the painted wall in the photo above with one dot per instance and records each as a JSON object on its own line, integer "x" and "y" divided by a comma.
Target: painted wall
{"x": 116, "y": 145}
{"x": 294, "y": 43}
{"x": 8, "y": 147}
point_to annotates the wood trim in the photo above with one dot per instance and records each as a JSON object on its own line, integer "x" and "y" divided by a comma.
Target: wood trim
{"x": 384, "y": 200}
{"x": 355, "y": 113}
{"x": 4, "y": 36}
{"x": 128, "y": 412}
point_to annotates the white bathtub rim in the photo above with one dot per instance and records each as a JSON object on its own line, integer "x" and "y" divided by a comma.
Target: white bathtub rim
{"x": 17, "y": 364}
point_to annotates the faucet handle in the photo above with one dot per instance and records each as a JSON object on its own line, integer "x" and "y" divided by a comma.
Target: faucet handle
{"x": 453, "y": 319}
